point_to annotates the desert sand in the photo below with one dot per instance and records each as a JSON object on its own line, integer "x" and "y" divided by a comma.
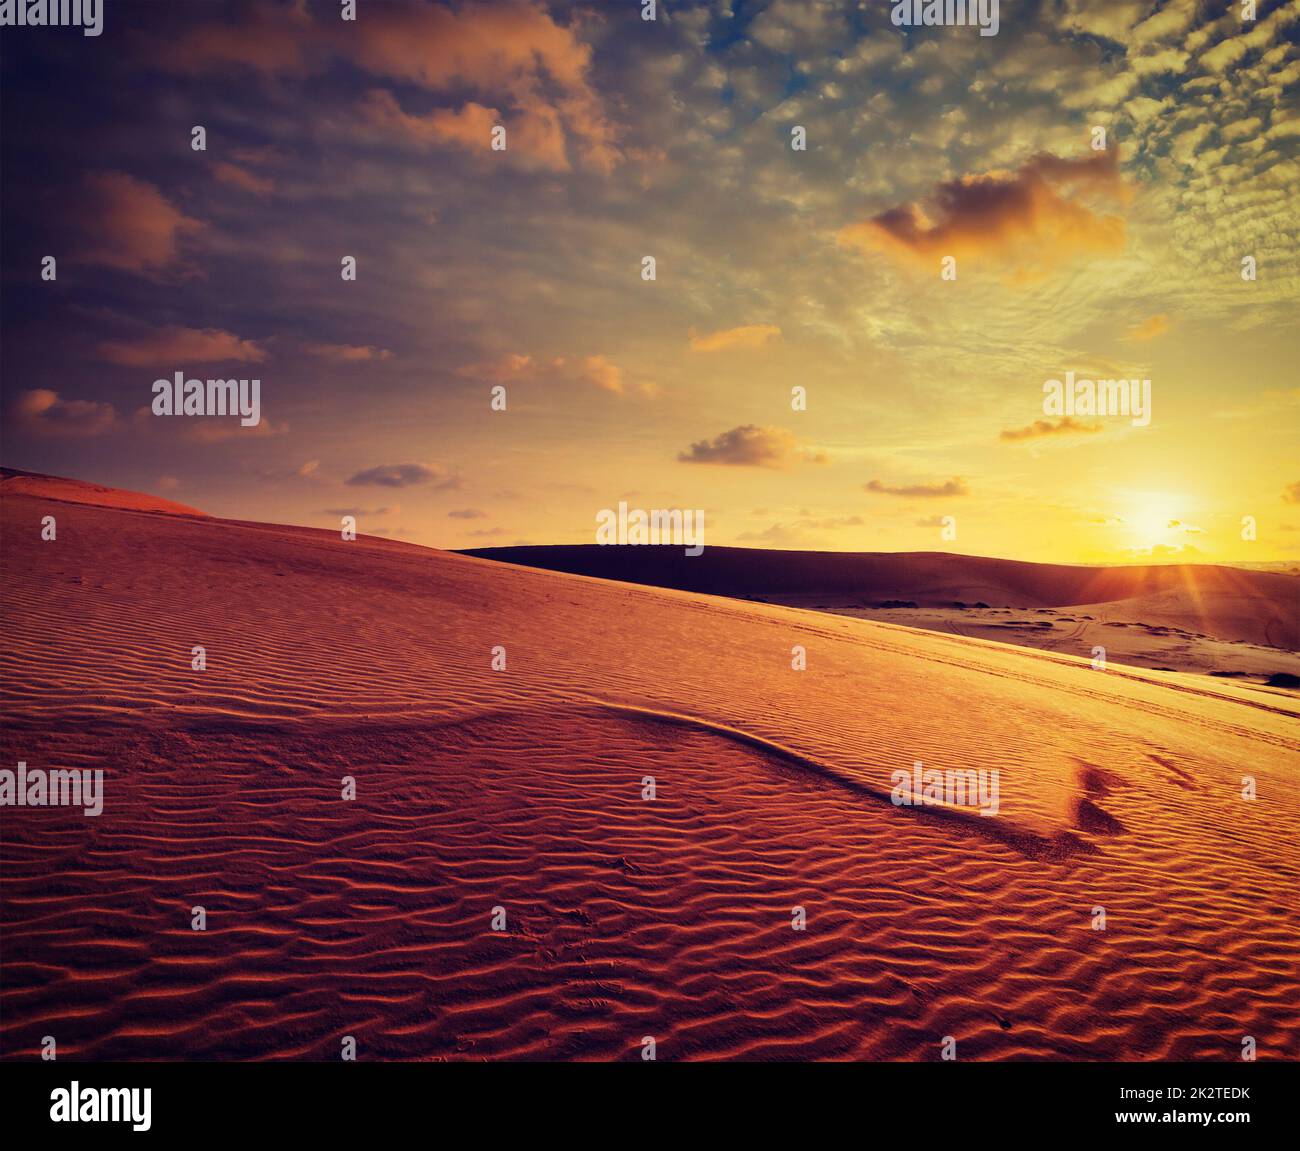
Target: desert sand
{"x": 1219, "y": 621}
{"x": 522, "y": 789}
{"x": 56, "y": 489}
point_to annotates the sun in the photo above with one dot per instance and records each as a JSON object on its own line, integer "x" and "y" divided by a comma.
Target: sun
{"x": 1153, "y": 518}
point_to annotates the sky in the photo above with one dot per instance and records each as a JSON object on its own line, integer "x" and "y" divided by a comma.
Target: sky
{"x": 950, "y": 238}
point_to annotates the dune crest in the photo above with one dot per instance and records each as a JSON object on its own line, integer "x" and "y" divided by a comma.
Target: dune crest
{"x": 18, "y": 483}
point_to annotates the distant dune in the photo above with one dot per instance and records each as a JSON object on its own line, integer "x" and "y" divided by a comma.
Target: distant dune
{"x": 522, "y": 791}
{"x": 1226, "y": 603}
{"x": 16, "y": 483}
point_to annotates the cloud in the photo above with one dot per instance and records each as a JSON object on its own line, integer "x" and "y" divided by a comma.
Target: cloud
{"x": 595, "y": 371}
{"x": 1223, "y": 55}
{"x": 242, "y": 179}
{"x": 1260, "y": 34}
{"x": 273, "y": 39}
{"x": 403, "y": 476}
{"x": 348, "y": 353}
{"x": 803, "y": 530}
{"x": 748, "y": 336}
{"x": 467, "y": 514}
{"x": 600, "y": 373}
{"x": 747, "y": 446}
{"x": 360, "y": 511}
{"x": 515, "y": 51}
{"x": 1065, "y": 426}
{"x": 1171, "y": 550}
{"x": 44, "y": 412}
{"x": 1032, "y": 219}
{"x": 175, "y": 346}
{"x": 953, "y": 487}
{"x": 130, "y": 225}
{"x": 1149, "y": 328}
{"x": 798, "y": 26}
{"x": 775, "y": 534}
{"x": 534, "y": 139}
{"x": 1291, "y": 494}
{"x": 217, "y": 431}
{"x": 511, "y": 366}
{"x": 833, "y": 523}
{"x": 1165, "y": 60}
{"x": 280, "y": 471}
{"x": 1172, "y": 20}
{"x": 1114, "y": 19}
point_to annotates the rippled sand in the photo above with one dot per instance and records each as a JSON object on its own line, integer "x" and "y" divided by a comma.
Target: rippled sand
{"x": 522, "y": 789}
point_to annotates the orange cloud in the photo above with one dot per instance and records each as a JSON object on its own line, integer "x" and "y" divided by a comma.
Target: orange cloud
{"x": 175, "y": 347}
{"x": 1066, "y": 425}
{"x": 953, "y": 487}
{"x": 1032, "y": 220}
{"x": 349, "y": 353}
{"x": 242, "y": 179}
{"x": 515, "y": 48}
{"x": 747, "y": 336}
{"x": 597, "y": 371}
{"x": 45, "y": 412}
{"x": 1149, "y": 328}
{"x": 511, "y": 366}
{"x": 135, "y": 228}
{"x": 534, "y": 136}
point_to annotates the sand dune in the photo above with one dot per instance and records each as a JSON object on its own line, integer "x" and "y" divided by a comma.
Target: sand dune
{"x": 1199, "y": 600}
{"x": 56, "y": 489}
{"x": 1108, "y": 631}
{"x": 522, "y": 789}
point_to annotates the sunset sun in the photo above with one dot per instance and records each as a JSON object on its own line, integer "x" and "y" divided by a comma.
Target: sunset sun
{"x": 1156, "y": 519}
